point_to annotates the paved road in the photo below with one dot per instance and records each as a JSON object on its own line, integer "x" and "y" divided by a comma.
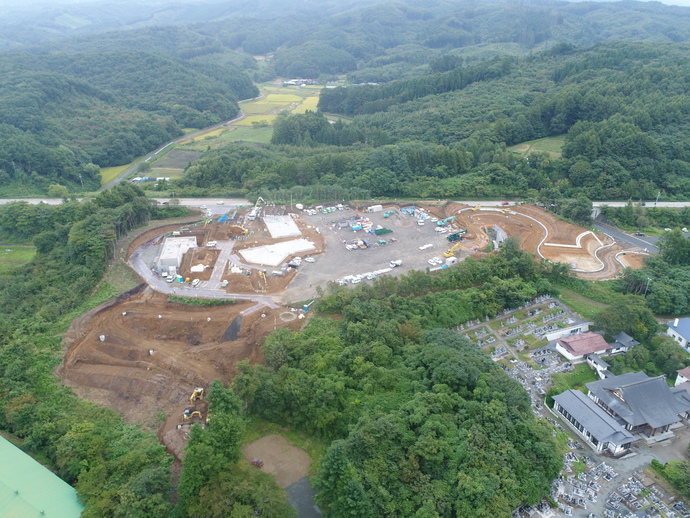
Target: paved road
{"x": 161, "y": 286}
{"x": 648, "y": 242}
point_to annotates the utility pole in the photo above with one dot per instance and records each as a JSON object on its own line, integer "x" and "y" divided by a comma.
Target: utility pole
{"x": 649, "y": 279}
{"x": 657, "y": 198}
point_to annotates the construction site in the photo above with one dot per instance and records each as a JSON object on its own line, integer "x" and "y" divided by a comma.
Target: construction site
{"x": 145, "y": 355}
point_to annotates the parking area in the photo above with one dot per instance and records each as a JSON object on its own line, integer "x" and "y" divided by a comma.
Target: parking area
{"x": 402, "y": 244}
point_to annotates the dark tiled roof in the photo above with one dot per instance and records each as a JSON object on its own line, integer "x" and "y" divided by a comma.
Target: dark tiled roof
{"x": 639, "y": 399}
{"x": 624, "y": 340}
{"x": 597, "y": 422}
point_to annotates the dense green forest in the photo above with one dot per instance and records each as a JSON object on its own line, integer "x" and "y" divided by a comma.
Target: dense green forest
{"x": 63, "y": 116}
{"x": 118, "y": 469}
{"x": 422, "y": 422}
{"x": 471, "y": 79}
{"x": 623, "y": 110}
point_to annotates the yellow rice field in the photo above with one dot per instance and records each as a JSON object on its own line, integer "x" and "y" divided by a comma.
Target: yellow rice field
{"x": 259, "y": 119}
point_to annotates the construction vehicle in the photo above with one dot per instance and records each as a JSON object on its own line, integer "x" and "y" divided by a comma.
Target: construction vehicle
{"x": 197, "y": 395}
{"x": 389, "y": 213}
{"x": 242, "y": 230}
{"x": 191, "y": 413}
{"x": 456, "y": 236}
{"x": 451, "y": 251}
{"x": 263, "y": 276}
{"x": 446, "y": 221}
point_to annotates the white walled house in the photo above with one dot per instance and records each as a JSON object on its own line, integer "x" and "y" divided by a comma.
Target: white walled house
{"x": 679, "y": 330}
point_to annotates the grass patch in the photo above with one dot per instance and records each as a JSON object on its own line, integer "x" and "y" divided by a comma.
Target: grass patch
{"x": 104, "y": 292}
{"x": 13, "y": 256}
{"x": 551, "y": 145}
{"x": 258, "y": 135}
{"x": 193, "y": 301}
{"x": 575, "y": 380}
{"x": 315, "y": 448}
{"x": 585, "y": 307}
{"x": 121, "y": 277}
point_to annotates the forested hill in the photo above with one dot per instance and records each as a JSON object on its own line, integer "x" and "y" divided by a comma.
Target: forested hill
{"x": 620, "y": 114}
{"x": 62, "y": 115}
{"x": 373, "y": 41}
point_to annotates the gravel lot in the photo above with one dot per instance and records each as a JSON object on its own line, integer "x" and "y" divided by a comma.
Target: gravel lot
{"x": 338, "y": 262}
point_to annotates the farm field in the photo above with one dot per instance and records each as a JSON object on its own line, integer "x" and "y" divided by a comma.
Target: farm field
{"x": 551, "y": 145}
{"x": 108, "y": 174}
{"x": 251, "y": 120}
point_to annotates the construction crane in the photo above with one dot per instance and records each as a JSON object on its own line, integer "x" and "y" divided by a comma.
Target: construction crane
{"x": 197, "y": 395}
{"x": 446, "y": 221}
{"x": 451, "y": 251}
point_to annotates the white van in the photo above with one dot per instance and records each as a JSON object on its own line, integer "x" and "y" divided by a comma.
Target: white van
{"x": 195, "y": 283}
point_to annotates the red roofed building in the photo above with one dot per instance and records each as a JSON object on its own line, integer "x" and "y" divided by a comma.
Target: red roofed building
{"x": 575, "y": 347}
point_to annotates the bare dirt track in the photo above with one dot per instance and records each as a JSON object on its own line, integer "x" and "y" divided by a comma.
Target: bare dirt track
{"x": 591, "y": 255}
{"x": 152, "y": 357}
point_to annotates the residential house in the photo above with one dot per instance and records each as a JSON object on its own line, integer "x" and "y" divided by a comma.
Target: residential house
{"x": 679, "y": 330}
{"x": 623, "y": 342}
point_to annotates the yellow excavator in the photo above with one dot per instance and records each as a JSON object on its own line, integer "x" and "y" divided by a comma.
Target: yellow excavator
{"x": 190, "y": 413}
{"x": 197, "y": 395}
{"x": 451, "y": 251}
{"x": 242, "y": 230}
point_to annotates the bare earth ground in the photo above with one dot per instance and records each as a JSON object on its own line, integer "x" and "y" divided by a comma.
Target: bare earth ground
{"x": 187, "y": 351}
{"x": 287, "y": 462}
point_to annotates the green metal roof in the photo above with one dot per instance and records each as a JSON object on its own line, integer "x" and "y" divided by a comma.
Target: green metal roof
{"x": 29, "y": 490}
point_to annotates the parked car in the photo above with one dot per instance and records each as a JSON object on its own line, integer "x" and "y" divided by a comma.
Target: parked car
{"x": 668, "y": 229}
{"x": 310, "y": 259}
{"x": 505, "y": 203}
{"x": 684, "y": 229}
{"x": 195, "y": 283}
{"x": 220, "y": 202}
{"x": 639, "y": 234}
{"x": 434, "y": 220}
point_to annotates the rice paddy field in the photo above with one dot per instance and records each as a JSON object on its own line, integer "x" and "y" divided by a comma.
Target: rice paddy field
{"x": 256, "y": 127}
{"x": 110, "y": 173}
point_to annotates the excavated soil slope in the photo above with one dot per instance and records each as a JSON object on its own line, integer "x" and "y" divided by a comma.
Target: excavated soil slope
{"x": 154, "y": 353}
